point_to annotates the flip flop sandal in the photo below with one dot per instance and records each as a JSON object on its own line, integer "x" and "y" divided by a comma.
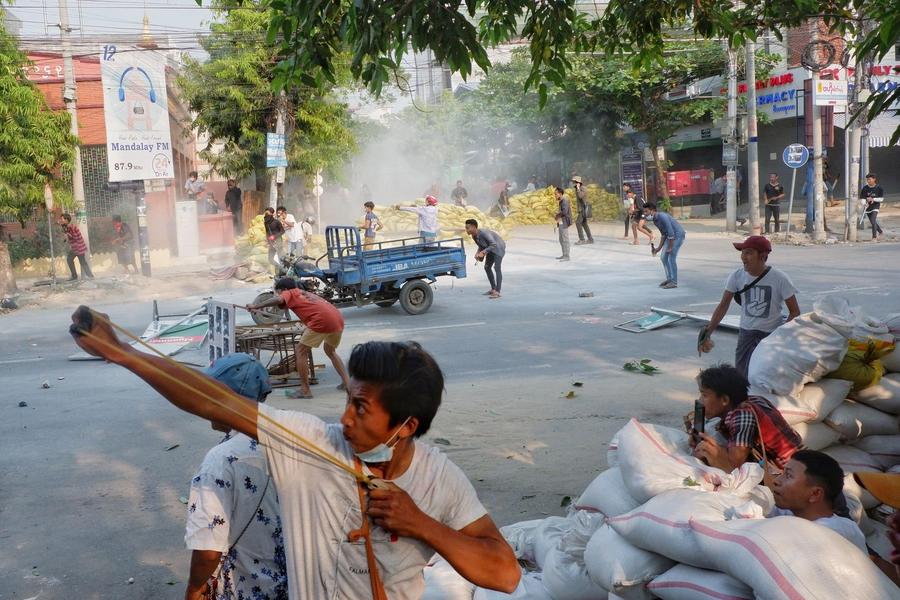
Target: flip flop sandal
{"x": 297, "y": 394}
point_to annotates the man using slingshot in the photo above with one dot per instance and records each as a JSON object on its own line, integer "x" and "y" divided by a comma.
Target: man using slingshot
{"x": 425, "y": 504}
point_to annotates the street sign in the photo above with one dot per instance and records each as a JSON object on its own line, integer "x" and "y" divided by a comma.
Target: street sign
{"x": 729, "y": 154}
{"x": 317, "y": 190}
{"x": 275, "y": 155}
{"x": 795, "y": 155}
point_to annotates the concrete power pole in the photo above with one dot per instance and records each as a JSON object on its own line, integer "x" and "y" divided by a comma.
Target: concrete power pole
{"x": 853, "y": 136}
{"x": 278, "y": 174}
{"x": 752, "y": 144}
{"x": 731, "y": 189}
{"x": 817, "y": 196}
{"x": 69, "y": 97}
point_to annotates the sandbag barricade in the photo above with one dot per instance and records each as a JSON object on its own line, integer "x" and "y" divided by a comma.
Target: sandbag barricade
{"x": 607, "y": 494}
{"x": 684, "y": 582}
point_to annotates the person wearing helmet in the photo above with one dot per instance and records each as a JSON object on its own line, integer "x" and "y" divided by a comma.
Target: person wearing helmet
{"x": 428, "y": 217}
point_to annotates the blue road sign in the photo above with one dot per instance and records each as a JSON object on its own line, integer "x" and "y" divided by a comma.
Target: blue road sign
{"x": 795, "y": 155}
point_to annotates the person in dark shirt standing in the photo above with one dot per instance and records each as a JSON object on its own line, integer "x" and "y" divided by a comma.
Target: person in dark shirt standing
{"x": 235, "y": 205}
{"x": 274, "y": 233}
{"x": 491, "y": 249}
{"x": 77, "y": 247}
{"x": 459, "y": 194}
{"x": 872, "y": 195}
{"x": 124, "y": 248}
{"x": 774, "y": 192}
{"x": 584, "y": 210}
{"x": 563, "y": 222}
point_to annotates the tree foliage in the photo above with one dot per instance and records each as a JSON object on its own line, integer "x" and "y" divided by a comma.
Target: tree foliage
{"x": 36, "y": 147}
{"x": 235, "y": 102}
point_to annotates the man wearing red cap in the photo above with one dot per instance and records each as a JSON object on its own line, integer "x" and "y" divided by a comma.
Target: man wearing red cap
{"x": 761, "y": 292}
{"x": 428, "y": 217}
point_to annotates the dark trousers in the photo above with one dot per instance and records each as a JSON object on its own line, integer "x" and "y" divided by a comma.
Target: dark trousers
{"x": 876, "y": 228}
{"x": 627, "y": 224}
{"x": 748, "y": 340}
{"x": 492, "y": 261}
{"x": 85, "y": 269}
{"x": 237, "y": 218}
{"x": 773, "y": 210}
{"x": 581, "y": 225}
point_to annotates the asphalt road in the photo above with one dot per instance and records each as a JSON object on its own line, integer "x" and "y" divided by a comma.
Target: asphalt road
{"x": 89, "y": 491}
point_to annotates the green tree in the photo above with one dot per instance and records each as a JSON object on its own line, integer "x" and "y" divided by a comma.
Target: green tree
{"x": 36, "y": 147}
{"x": 235, "y": 102}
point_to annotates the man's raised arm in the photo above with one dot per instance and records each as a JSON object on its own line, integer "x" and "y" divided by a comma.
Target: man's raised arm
{"x": 236, "y": 412}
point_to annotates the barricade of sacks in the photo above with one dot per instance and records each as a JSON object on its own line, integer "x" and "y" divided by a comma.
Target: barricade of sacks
{"x": 452, "y": 220}
{"x": 253, "y": 247}
{"x": 658, "y": 523}
{"x": 540, "y": 207}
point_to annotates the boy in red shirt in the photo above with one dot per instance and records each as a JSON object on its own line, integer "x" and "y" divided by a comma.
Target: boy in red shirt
{"x": 324, "y": 324}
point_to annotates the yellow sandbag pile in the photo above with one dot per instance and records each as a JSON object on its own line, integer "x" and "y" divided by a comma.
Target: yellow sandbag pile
{"x": 540, "y": 207}
{"x": 451, "y": 218}
{"x": 252, "y": 246}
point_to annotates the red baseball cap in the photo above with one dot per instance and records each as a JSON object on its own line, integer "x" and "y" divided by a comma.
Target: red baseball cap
{"x": 755, "y": 242}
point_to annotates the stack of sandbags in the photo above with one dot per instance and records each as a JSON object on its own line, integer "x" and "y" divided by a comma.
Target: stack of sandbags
{"x": 451, "y": 218}
{"x": 253, "y": 246}
{"x": 540, "y": 207}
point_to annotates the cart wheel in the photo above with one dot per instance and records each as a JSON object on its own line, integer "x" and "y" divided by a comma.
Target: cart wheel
{"x": 416, "y": 297}
{"x": 266, "y": 316}
{"x": 387, "y": 303}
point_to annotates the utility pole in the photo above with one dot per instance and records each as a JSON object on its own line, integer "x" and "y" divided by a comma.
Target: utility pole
{"x": 731, "y": 189}
{"x": 278, "y": 174}
{"x": 69, "y": 97}
{"x": 817, "y": 196}
{"x": 752, "y": 144}
{"x": 852, "y": 138}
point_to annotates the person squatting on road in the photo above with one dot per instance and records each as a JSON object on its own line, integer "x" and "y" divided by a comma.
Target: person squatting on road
{"x": 585, "y": 212}
{"x": 762, "y": 292}
{"x": 563, "y": 222}
{"x": 234, "y": 521}
{"x": 672, "y": 236}
{"x": 77, "y": 248}
{"x": 429, "y": 505}
{"x": 638, "y": 219}
{"x": 324, "y": 325}
{"x": 428, "y": 217}
{"x": 491, "y": 249}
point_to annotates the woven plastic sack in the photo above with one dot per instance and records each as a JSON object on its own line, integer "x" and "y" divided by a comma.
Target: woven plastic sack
{"x": 547, "y": 534}
{"x": 565, "y": 574}
{"x": 855, "y": 420}
{"x": 662, "y": 524}
{"x": 799, "y": 352}
{"x": 852, "y": 322}
{"x": 621, "y": 568}
{"x": 861, "y": 364}
{"x": 530, "y": 588}
{"x": 885, "y": 449}
{"x": 884, "y": 395}
{"x": 812, "y": 403}
{"x": 817, "y": 436}
{"x": 442, "y": 582}
{"x": 607, "y": 494}
{"x": 655, "y": 459}
{"x": 520, "y": 537}
{"x": 684, "y": 582}
{"x": 788, "y": 558}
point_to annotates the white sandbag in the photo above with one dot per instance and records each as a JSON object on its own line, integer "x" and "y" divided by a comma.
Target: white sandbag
{"x": 812, "y": 403}
{"x": 817, "y": 436}
{"x": 891, "y": 362}
{"x": 884, "y": 395}
{"x": 612, "y": 452}
{"x": 565, "y": 574}
{"x": 684, "y": 582}
{"x": 857, "y": 512}
{"x": 661, "y": 525}
{"x": 885, "y": 449}
{"x": 520, "y": 537}
{"x": 892, "y": 322}
{"x": 789, "y": 558}
{"x": 852, "y": 459}
{"x": 852, "y": 488}
{"x": 799, "y": 352}
{"x": 530, "y": 588}
{"x": 547, "y": 534}
{"x": 607, "y": 494}
{"x": 852, "y": 322}
{"x": 855, "y": 420}
{"x": 655, "y": 459}
{"x": 442, "y": 582}
{"x": 621, "y": 568}
{"x": 878, "y": 541}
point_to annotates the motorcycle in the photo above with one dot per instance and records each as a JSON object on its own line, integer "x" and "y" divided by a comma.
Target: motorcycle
{"x": 308, "y": 277}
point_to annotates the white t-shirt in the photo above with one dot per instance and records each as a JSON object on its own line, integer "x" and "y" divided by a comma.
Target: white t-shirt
{"x": 295, "y": 233}
{"x": 320, "y": 506}
{"x": 762, "y": 304}
{"x": 306, "y": 230}
{"x": 428, "y": 217}
{"x": 842, "y": 526}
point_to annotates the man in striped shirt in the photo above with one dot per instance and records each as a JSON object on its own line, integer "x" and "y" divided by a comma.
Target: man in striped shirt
{"x": 77, "y": 247}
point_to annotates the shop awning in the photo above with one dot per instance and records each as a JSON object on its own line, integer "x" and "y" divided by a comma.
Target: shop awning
{"x": 880, "y": 130}
{"x": 676, "y": 146}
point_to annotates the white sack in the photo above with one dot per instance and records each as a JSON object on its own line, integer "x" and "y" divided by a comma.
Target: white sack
{"x": 565, "y": 579}
{"x": 892, "y": 321}
{"x": 661, "y": 525}
{"x": 607, "y": 494}
{"x": 547, "y": 534}
{"x": 812, "y": 403}
{"x": 788, "y": 558}
{"x": 799, "y": 352}
{"x": 620, "y": 568}
{"x": 520, "y": 537}
{"x": 885, "y": 449}
{"x": 684, "y": 582}
{"x": 884, "y": 395}
{"x": 852, "y": 459}
{"x": 655, "y": 459}
{"x": 891, "y": 362}
{"x": 855, "y": 420}
{"x": 442, "y": 582}
{"x": 878, "y": 541}
{"x": 857, "y": 512}
{"x": 852, "y": 488}
{"x": 852, "y": 322}
{"x": 817, "y": 436}
{"x": 530, "y": 588}
{"x": 612, "y": 452}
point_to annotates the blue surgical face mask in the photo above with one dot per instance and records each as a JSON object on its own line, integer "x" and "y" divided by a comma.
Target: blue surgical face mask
{"x": 382, "y": 452}
{"x": 649, "y": 217}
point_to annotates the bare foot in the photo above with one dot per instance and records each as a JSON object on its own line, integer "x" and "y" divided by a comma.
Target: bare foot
{"x": 635, "y": 243}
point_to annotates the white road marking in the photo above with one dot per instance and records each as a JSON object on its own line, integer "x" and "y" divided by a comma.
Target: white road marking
{"x": 440, "y": 327}
{"x": 20, "y": 360}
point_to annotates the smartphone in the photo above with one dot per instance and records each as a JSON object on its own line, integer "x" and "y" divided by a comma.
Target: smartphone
{"x": 699, "y": 420}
